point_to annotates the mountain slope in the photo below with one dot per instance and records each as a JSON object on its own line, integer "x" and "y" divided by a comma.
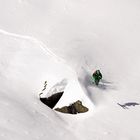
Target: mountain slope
{"x": 63, "y": 43}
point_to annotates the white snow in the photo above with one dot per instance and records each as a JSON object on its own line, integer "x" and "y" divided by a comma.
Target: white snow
{"x": 63, "y": 42}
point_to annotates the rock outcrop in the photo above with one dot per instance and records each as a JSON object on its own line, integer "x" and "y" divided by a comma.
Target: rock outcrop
{"x": 74, "y": 108}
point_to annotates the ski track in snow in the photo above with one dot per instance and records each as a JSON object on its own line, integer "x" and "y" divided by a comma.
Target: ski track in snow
{"x": 32, "y": 39}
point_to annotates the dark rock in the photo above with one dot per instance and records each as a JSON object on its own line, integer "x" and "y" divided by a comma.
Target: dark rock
{"x": 79, "y": 107}
{"x": 52, "y": 100}
{"x": 74, "y": 108}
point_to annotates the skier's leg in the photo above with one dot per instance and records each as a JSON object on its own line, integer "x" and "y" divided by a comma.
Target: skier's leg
{"x": 97, "y": 82}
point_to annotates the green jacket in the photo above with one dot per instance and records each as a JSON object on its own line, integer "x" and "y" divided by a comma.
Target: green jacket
{"x": 96, "y": 77}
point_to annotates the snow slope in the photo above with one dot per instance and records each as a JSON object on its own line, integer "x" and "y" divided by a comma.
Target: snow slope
{"x": 25, "y": 65}
{"x": 63, "y": 42}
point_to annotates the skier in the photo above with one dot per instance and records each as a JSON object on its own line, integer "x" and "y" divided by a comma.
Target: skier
{"x": 96, "y": 77}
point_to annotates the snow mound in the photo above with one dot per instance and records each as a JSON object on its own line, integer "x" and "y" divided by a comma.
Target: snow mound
{"x": 24, "y": 66}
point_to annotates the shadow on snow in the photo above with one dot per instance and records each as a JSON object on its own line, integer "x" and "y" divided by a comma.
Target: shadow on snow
{"x": 129, "y": 104}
